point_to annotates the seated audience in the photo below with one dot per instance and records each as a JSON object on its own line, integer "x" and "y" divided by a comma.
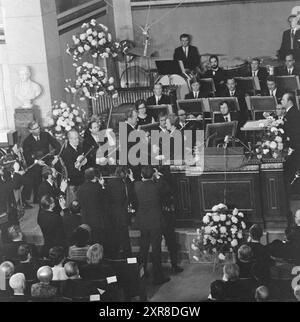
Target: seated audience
{"x": 51, "y": 224}
{"x": 225, "y": 115}
{"x": 258, "y": 71}
{"x": 43, "y": 289}
{"x": 27, "y": 264}
{"x": 143, "y": 118}
{"x": 17, "y": 282}
{"x": 196, "y": 93}
{"x": 6, "y": 271}
{"x": 158, "y": 98}
{"x": 95, "y": 269}
{"x": 272, "y": 89}
{"x": 71, "y": 220}
{"x": 261, "y": 294}
{"x": 215, "y": 72}
{"x": 245, "y": 261}
{"x": 57, "y": 258}
{"x": 217, "y": 291}
{"x": 78, "y": 251}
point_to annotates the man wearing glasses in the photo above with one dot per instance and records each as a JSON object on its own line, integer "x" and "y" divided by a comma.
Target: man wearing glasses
{"x": 35, "y": 147}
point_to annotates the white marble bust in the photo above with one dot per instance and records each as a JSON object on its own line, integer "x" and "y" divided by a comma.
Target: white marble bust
{"x": 26, "y": 90}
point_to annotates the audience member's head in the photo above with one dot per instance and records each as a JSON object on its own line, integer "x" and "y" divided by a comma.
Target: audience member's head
{"x": 87, "y": 228}
{"x": 214, "y": 61}
{"x": 94, "y": 127}
{"x": 131, "y": 117}
{"x": 18, "y": 283}
{"x": 231, "y": 272}
{"x": 73, "y": 138}
{"x": 280, "y": 110}
{"x": 245, "y": 254}
{"x": 47, "y": 203}
{"x": 75, "y": 207}
{"x": 224, "y": 108}
{"x": 297, "y": 217}
{"x": 217, "y": 290}
{"x": 255, "y": 232}
{"x": 261, "y": 294}
{"x": 195, "y": 86}
{"x": 297, "y": 292}
{"x": 56, "y": 255}
{"x": 71, "y": 270}
{"x": 140, "y": 106}
{"x": 162, "y": 119}
{"x": 185, "y": 40}
{"x": 14, "y": 233}
{"x": 147, "y": 172}
{"x": 80, "y": 237}
{"x": 271, "y": 82}
{"x": 90, "y": 174}
{"x": 34, "y": 128}
{"x": 158, "y": 89}
{"x": 7, "y": 268}
{"x": 24, "y": 253}
{"x": 231, "y": 84}
{"x": 94, "y": 254}
{"x": 289, "y": 61}
{"x": 181, "y": 115}
{"x": 45, "y": 274}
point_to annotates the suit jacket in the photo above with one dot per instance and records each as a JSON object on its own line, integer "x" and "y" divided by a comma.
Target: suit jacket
{"x": 191, "y": 61}
{"x": 88, "y": 143}
{"x": 93, "y": 205}
{"x": 190, "y": 95}
{"x": 283, "y": 71}
{"x": 262, "y": 74}
{"x": 165, "y": 99}
{"x": 69, "y": 156}
{"x": 150, "y": 196}
{"x": 292, "y": 128}
{"x": 218, "y": 76}
{"x": 279, "y": 93}
{"x": 285, "y": 47}
{"x": 219, "y": 118}
{"x": 52, "y": 228}
{"x": 119, "y": 195}
{"x": 70, "y": 222}
{"x": 33, "y": 149}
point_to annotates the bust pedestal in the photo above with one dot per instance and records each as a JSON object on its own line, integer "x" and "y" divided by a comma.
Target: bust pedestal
{"x": 23, "y": 116}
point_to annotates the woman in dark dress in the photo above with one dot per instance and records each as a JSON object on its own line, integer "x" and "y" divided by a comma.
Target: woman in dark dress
{"x": 143, "y": 117}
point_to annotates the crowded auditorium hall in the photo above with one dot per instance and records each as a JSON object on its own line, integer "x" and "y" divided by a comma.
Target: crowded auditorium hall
{"x": 149, "y": 151}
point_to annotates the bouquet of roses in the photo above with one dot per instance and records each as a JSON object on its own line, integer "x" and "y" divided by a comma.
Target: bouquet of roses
{"x": 94, "y": 40}
{"x": 92, "y": 82}
{"x": 65, "y": 118}
{"x": 273, "y": 143}
{"x": 222, "y": 230}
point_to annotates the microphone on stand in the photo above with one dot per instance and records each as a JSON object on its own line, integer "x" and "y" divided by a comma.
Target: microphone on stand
{"x": 226, "y": 141}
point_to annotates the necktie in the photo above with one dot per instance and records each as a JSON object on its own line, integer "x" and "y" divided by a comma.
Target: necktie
{"x": 195, "y": 95}
{"x": 292, "y": 38}
{"x": 290, "y": 72}
{"x": 185, "y": 51}
{"x": 253, "y": 74}
{"x": 231, "y": 93}
{"x": 226, "y": 118}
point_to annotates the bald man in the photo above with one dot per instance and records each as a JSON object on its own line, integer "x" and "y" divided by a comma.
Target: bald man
{"x": 70, "y": 155}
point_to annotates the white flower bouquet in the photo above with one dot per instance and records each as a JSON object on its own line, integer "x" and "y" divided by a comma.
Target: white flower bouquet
{"x": 93, "y": 40}
{"x": 222, "y": 230}
{"x": 66, "y": 117}
{"x": 274, "y": 143}
{"x": 92, "y": 82}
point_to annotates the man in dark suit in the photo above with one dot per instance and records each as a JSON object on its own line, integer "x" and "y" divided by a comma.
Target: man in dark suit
{"x": 292, "y": 131}
{"x": 216, "y": 73}
{"x": 290, "y": 40}
{"x": 225, "y": 115}
{"x": 51, "y": 224}
{"x": 92, "y": 200}
{"x": 196, "y": 93}
{"x": 289, "y": 68}
{"x": 91, "y": 141}
{"x": 258, "y": 71}
{"x": 231, "y": 90}
{"x": 158, "y": 98}
{"x": 120, "y": 197}
{"x": 272, "y": 89}
{"x": 188, "y": 54}
{"x": 36, "y": 146}
{"x": 149, "y": 196}
{"x": 75, "y": 174}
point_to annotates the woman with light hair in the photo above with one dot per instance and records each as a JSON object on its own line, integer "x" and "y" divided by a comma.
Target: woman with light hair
{"x": 95, "y": 268}
{"x": 17, "y": 282}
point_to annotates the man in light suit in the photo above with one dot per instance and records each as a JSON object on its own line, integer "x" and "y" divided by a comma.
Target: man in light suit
{"x": 188, "y": 54}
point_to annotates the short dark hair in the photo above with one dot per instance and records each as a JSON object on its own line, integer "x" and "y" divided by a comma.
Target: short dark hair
{"x": 230, "y": 78}
{"x": 255, "y": 232}
{"x": 31, "y": 124}
{"x": 256, "y": 59}
{"x": 46, "y": 202}
{"x": 213, "y": 56}
{"x": 129, "y": 113}
{"x": 56, "y": 255}
{"x": 147, "y": 171}
{"x": 185, "y": 36}
{"x": 23, "y": 251}
{"x": 291, "y": 17}
{"x": 289, "y": 54}
{"x": 89, "y": 174}
{"x": 217, "y": 290}
{"x": 91, "y": 123}
{"x": 224, "y": 102}
{"x": 162, "y": 114}
{"x": 140, "y": 102}
{"x": 80, "y": 237}
{"x": 271, "y": 78}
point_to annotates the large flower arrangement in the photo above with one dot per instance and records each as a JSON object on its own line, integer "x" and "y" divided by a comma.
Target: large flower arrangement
{"x": 65, "y": 118}
{"x": 92, "y": 82}
{"x": 222, "y": 231}
{"x": 94, "y": 40}
{"x": 274, "y": 143}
